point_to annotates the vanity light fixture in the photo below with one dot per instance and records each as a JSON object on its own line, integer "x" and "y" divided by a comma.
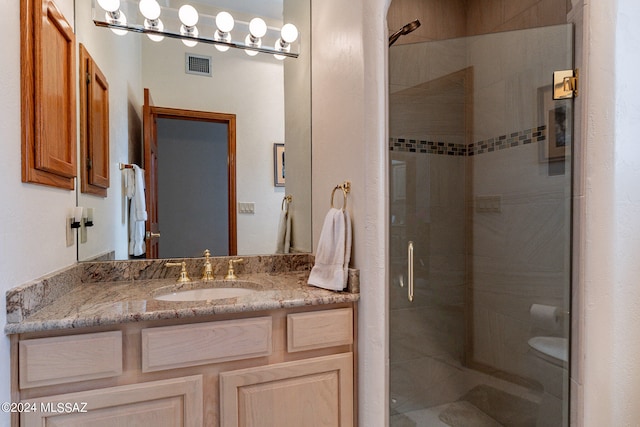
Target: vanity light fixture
{"x": 189, "y": 17}
{"x": 150, "y": 9}
{"x": 160, "y": 21}
{"x": 114, "y": 15}
{"x": 288, "y": 35}
{"x": 225, "y": 23}
{"x": 257, "y": 30}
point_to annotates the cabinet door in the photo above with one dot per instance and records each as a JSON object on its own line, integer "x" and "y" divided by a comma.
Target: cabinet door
{"x": 168, "y": 403}
{"x": 314, "y": 392}
{"x": 94, "y": 126}
{"x": 48, "y": 95}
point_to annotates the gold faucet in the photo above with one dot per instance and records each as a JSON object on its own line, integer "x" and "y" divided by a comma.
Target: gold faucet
{"x": 207, "y": 269}
{"x": 184, "y": 277}
{"x": 231, "y": 274}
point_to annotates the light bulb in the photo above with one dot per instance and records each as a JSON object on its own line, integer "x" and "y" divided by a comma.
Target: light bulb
{"x": 118, "y": 18}
{"x": 219, "y": 36}
{"x": 189, "y": 32}
{"x": 109, "y": 5}
{"x": 289, "y": 33}
{"x": 150, "y": 9}
{"x": 224, "y": 22}
{"x": 252, "y": 41}
{"x": 257, "y": 27}
{"x": 279, "y": 57}
{"x": 222, "y": 48}
{"x": 156, "y": 25}
{"x": 188, "y": 15}
{"x": 189, "y": 43}
{"x": 251, "y": 52}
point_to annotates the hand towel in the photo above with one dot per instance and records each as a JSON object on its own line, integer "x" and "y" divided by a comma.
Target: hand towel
{"x": 333, "y": 253}
{"x": 137, "y": 213}
{"x": 283, "y": 237}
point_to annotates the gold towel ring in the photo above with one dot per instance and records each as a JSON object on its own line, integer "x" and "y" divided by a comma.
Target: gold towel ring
{"x": 287, "y": 199}
{"x": 346, "y": 187}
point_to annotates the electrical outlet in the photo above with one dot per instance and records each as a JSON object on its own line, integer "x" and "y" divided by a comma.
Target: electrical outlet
{"x": 488, "y": 204}
{"x": 70, "y": 230}
{"x": 247, "y": 207}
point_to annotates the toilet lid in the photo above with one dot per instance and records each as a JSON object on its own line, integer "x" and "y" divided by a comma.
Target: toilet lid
{"x": 555, "y": 347}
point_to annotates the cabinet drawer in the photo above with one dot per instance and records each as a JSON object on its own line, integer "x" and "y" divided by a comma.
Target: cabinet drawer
{"x": 172, "y": 347}
{"x": 58, "y": 360}
{"x": 319, "y": 329}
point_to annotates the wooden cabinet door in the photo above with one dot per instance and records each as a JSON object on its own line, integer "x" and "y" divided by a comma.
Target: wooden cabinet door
{"x": 94, "y": 126}
{"x": 314, "y": 392}
{"x": 166, "y": 403}
{"x": 48, "y": 95}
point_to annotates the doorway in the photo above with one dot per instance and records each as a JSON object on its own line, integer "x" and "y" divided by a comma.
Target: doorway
{"x": 193, "y": 177}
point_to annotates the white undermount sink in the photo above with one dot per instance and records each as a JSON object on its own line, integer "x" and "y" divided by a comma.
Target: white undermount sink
{"x": 204, "y": 294}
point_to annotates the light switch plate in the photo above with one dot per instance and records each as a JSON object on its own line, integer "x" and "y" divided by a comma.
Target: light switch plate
{"x": 70, "y": 238}
{"x": 247, "y": 207}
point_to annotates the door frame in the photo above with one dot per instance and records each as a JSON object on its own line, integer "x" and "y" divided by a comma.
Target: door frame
{"x": 230, "y": 121}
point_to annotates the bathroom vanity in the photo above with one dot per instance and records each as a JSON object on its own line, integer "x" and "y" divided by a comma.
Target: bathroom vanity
{"x": 90, "y": 351}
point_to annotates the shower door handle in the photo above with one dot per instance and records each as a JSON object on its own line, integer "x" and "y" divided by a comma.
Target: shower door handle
{"x": 410, "y": 270}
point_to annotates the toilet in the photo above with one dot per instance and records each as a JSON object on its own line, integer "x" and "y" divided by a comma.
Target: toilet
{"x": 549, "y": 364}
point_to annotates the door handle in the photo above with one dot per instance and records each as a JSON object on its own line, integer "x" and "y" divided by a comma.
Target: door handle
{"x": 150, "y": 235}
{"x": 410, "y": 272}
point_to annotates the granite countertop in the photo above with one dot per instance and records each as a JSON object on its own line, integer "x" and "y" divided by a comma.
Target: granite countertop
{"x": 112, "y": 302}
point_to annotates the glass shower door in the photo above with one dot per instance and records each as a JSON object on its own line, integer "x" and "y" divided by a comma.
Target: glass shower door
{"x": 480, "y": 207}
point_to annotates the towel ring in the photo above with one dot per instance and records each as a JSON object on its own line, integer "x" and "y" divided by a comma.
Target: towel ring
{"x": 287, "y": 199}
{"x": 346, "y": 187}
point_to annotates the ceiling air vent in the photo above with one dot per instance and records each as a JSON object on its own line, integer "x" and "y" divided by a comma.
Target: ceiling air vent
{"x": 198, "y": 64}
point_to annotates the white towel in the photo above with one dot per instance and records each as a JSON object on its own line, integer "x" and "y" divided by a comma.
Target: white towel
{"x": 330, "y": 270}
{"x": 137, "y": 213}
{"x": 283, "y": 238}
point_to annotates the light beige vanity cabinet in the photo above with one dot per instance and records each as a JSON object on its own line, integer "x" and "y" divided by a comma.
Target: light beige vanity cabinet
{"x": 289, "y": 367}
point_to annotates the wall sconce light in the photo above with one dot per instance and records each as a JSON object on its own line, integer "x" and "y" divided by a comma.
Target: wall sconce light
{"x": 257, "y": 30}
{"x": 150, "y": 9}
{"x": 214, "y": 26}
{"x": 225, "y": 23}
{"x": 288, "y": 35}
{"x": 189, "y": 17}
{"x": 114, "y": 15}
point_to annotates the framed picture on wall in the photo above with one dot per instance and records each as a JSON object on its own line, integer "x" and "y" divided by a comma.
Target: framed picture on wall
{"x": 556, "y": 117}
{"x": 278, "y": 165}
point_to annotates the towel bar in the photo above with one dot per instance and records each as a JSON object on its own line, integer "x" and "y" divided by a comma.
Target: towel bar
{"x": 124, "y": 166}
{"x": 346, "y": 188}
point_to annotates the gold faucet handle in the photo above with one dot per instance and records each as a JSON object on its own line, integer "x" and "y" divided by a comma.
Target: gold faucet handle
{"x": 207, "y": 270}
{"x": 231, "y": 274}
{"x": 184, "y": 277}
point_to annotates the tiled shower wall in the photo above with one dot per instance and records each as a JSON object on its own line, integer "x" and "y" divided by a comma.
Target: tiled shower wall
{"x": 520, "y": 244}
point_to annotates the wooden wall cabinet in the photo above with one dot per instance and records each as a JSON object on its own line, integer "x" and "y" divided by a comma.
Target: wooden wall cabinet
{"x": 48, "y": 95}
{"x": 94, "y": 127}
{"x": 281, "y": 368}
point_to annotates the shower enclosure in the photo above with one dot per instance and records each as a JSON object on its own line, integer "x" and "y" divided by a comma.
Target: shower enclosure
{"x": 480, "y": 230}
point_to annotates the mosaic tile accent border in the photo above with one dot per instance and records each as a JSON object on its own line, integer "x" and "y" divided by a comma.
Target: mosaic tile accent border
{"x": 514, "y": 139}
{"x": 427, "y": 147}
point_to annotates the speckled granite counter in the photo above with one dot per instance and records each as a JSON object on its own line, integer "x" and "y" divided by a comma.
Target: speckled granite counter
{"x": 105, "y": 293}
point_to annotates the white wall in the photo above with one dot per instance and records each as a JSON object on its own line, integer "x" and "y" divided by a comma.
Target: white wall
{"x": 349, "y": 143}
{"x": 611, "y": 313}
